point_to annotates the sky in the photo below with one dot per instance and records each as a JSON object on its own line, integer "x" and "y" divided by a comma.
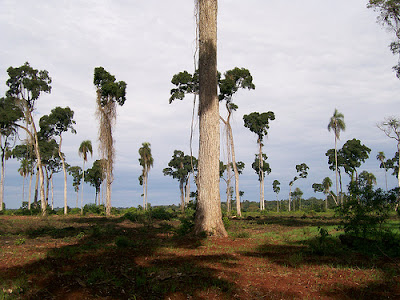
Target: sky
{"x": 307, "y": 57}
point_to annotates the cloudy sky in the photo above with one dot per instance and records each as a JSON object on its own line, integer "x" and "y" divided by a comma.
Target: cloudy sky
{"x": 307, "y": 57}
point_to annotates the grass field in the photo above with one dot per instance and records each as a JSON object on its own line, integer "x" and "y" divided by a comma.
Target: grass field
{"x": 265, "y": 257}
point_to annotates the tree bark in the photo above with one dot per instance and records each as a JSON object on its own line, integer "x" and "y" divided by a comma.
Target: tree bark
{"x": 65, "y": 176}
{"x": 235, "y": 170}
{"x": 30, "y": 190}
{"x": 208, "y": 213}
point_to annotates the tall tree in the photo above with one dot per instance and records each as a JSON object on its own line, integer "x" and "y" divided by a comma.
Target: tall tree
{"x": 146, "y": 161}
{"x": 259, "y": 124}
{"x": 208, "y": 212}
{"x": 224, "y": 168}
{"x": 25, "y": 87}
{"x": 95, "y": 176}
{"x": 76, "y": 173}
{"x": 325, "y": 187}
{"x": 84, "y": 149}
{"x": 336, "y": 123}
{"x": 180, "y": 167}
{"x": 391, "y": 127}
{"x": 256, "y": 165}
{"x": 233, "y": 80}
{"x": 381, "y": 157}
{"x": 302, "y": 173}
{"x": 24, "y": 152}
{"x": 109, "y": 94}
{"x": 276, "y": 188}
{"x": 354, "y": 154}
{"x": 389, "y": 16}
{"x": 60, "y": 120}
{"x": 10, "y": 114}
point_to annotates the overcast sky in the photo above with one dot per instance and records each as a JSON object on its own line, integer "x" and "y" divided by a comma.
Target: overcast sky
{"x": 307, "y": 57}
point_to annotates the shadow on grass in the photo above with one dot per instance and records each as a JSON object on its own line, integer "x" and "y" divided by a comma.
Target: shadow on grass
{"x": 123, "y": 260}
{"x": 331, "y": 254}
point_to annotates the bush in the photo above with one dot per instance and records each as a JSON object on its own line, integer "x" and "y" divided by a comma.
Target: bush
{"x": 366, "y": 211}
{"x": 94, "y": 209}
{"x": 160, "y": 213}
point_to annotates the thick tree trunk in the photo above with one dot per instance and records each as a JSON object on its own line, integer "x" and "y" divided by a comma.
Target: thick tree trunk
{"x": 208, "y": 213}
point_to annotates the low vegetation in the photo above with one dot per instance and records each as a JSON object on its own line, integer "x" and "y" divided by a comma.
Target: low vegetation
{"x": 151, "y": 255}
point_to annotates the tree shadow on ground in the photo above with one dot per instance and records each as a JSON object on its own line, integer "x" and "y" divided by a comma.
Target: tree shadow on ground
{"x": 123, "y": 260}
{"x": 344, "y": 262}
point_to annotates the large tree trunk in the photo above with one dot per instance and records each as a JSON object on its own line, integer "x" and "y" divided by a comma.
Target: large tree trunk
{"x": 208, "y": 213}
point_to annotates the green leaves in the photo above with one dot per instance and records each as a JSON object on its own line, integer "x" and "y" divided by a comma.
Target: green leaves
{"x": 58, "y": 121}
{"x": 108, "y": 89}
{"x": 258, "y": 123}
{"x": 235, "y": 79}
{"x": 26, "y": 83}
{"x": 185, "y": 84}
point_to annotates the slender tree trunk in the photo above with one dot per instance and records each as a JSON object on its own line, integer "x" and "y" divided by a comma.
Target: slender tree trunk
{"x": 336, "y": 168}
{"x": 208, "y": 213}
{"x": 261, "y": 174}
{"x": 39, "y": 163}
{"x": 77, "y": 199}
{"x": 182, "y": 196}
{"x": 228, "y": 174}
{"x": 277, "y": 203}
{"x": 144, "y": 191}
{"x": 47, "y": 185}
{"x": 30, "y": 190}
{"x": 83, "y": 181}
{"x": 238, "y": 209}
{"x": 108, "y": 192}
{"x": 290, "y": 193}
{"x": 23, "y": 188}
{"x": 35, "y": 200}
{"x": 2, "y": 179}
{"x": 65, "y": 176}
{"x": 147, "y": 180}
{"x": 52, "y": 191}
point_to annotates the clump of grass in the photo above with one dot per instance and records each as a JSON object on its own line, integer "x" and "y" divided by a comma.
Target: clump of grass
{"x": 20, "y": 241}
{"x": 241, "y": 235}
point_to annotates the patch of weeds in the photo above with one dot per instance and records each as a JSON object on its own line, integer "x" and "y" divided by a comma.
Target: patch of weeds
{"x": 80, "y": 235}
{"x": 99, "y": 275}
{"x": 20, "y": 241}
{"x": 227, "y": 222}
{"x": 187, "y": 224}
{"x": 123, "y": 242}
{"x": 241, "y": 235}
{"x": 295, "y": 259}
{"x": 324, "y": 244}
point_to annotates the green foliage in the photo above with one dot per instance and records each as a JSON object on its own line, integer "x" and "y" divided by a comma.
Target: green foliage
{"x": 28, "y": 83}
{"x": 257, "y": 164}
{"x": 367, "y": 210}
{"x": 108, "y": 88}
{"x": 233, "y": 80}
{"x": 93, "y": 209}
{"x": 258, "y": 123}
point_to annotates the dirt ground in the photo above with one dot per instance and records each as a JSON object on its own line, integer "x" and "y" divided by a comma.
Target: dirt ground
{"x": 98, "y": 258}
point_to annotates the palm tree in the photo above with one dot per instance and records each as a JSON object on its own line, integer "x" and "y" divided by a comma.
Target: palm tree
{"x": 381, "y": 157}
{"x": 336, "y": 123}
{"x": 326, "y": 185}
{"x": 84, "y": 149}
{"x": 146, "y": 161}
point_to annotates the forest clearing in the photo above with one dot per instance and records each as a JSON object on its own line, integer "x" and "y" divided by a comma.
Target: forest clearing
{"x": 269, "y": 256}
